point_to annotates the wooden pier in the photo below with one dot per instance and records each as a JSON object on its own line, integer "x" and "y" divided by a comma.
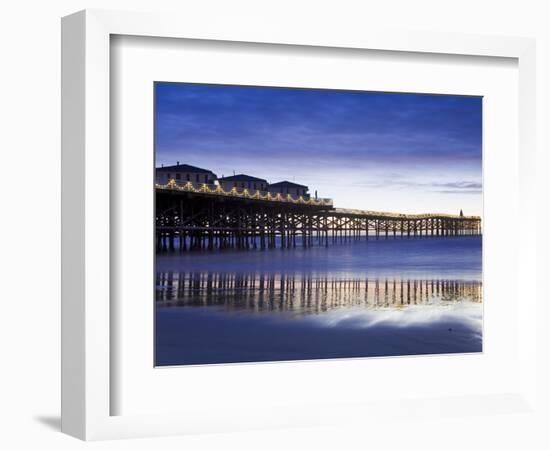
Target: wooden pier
{"x": 193, "y": 217}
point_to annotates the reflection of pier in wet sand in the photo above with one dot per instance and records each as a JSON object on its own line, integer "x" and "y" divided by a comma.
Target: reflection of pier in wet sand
{"x": 306, "y": 294}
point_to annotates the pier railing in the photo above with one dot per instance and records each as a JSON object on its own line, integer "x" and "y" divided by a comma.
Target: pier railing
{"x": 203, "y": 188}
{"x": 401, "y": 216}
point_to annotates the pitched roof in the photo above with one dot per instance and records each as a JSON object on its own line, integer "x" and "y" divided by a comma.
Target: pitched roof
{"x": 183, "y": 168}
{"x": 242, "y": 177}
{"x": 288, "y": 184}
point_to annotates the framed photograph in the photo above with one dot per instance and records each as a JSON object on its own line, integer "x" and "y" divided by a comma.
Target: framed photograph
{"x": 262, "y": 265}
{"x": 289, "y": 214}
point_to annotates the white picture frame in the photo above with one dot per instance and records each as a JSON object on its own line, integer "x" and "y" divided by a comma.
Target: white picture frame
{"x": 86, "y": 218}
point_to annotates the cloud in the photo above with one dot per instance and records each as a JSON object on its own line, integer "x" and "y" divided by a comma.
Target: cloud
{"x": 453, "y": 187}
{"x": 365, "y": 146}
{"x": 460, "y": 185}
{"x": 378, "y": 128}
{"x": 463, "y": 191}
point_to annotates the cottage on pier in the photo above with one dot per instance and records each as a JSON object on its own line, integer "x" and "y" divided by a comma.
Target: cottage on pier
{"x": 243, "y": 181}
{"x": 286, "y": 187}
{"x": 182, "y": 173}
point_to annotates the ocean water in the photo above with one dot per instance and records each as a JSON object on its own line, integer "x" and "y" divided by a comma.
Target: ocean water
{"x": 384, "y": 297}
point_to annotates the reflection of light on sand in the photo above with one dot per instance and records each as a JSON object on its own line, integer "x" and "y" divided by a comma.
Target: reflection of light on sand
{"x": 468, "y": 315}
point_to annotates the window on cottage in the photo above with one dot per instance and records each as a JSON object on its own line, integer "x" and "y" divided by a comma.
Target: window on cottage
{"x": 178, "y": 176}
{"x": 197, "y": 178}
{"x": 188, "y": 177}
{"x": 168, "y": 175}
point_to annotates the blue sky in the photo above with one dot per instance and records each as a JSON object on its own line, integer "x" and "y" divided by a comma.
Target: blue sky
{"x": 366, "y": 150}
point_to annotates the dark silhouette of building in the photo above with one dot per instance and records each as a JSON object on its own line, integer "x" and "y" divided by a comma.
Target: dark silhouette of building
{"x": 286, "y": 187}
{"x": 243, "y": 181}
{"x": 182, "y": 173}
